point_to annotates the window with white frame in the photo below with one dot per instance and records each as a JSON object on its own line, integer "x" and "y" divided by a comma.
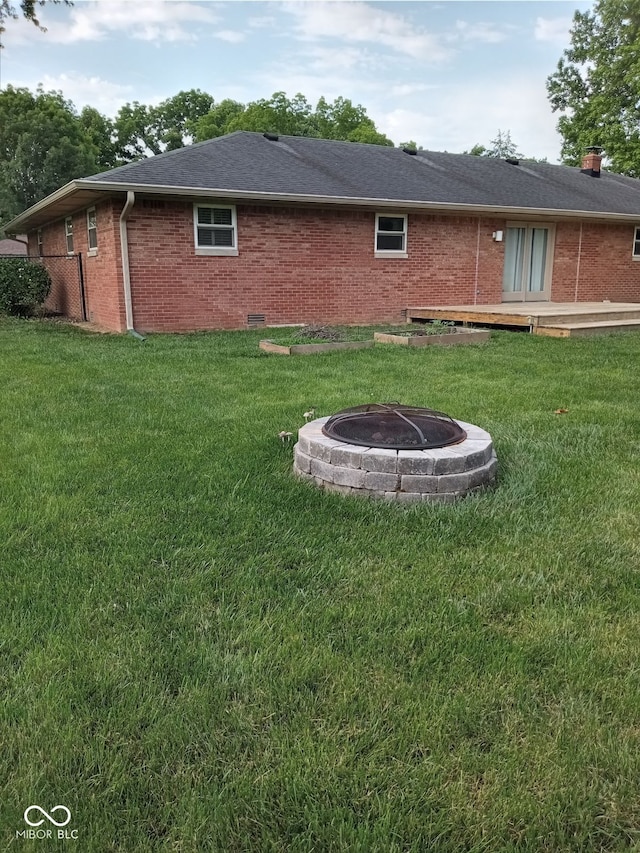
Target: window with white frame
{"x": 92, "y": 230}
{"x": 636, "y": 242}
{"x": 68, "y": 233}
{"x": 39, "y": 238}
{"x": 215, "y": 229}
{"x": 391, "y": 235}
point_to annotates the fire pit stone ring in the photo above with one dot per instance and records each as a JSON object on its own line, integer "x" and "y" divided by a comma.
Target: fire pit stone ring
{"x": 436, "y": 475}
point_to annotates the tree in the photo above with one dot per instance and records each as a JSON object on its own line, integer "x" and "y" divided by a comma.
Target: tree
{"x": 27, "y": 9}
{"x": 478, "y": 150}
{"x": 43, "y": 145}
{"x": 279, "y": 114}
{"x": 216, "y": 121}
{"x": 341, "y": 120}
{"x": 292, "y": 117}
{"x": 136, "y": 136}
{"x": 100, "y": 130}
{"x": 502, "y": 146}
{"x": 141, "y": 130}
{"x": 596, "y": 87}
{"x": 176, "y": 117}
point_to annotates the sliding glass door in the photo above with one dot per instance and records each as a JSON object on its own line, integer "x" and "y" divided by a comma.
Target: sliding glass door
{"x": 528, "y": 258}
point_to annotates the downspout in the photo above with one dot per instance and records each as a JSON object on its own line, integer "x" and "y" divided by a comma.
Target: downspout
{"x": 126, "y": 275}
{"x": 477, "y": 270}
{"x": 575, "y": 295}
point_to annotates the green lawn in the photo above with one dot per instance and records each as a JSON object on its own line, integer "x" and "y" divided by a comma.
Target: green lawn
{"x": 201, "y": 653}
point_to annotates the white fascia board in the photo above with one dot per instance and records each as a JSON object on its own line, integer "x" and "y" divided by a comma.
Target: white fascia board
{"x": 351, "y": 201}
{"x": 16, "y": 223}
{"x": 107, "y": 187}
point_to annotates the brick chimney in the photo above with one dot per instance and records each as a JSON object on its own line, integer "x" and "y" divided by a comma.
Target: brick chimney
{"x": 592, "y": 161}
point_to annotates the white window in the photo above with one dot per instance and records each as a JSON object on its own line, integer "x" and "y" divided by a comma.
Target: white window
{"x": 636, "y": 242}
{"x": 40, "y": 246}
{"x": 391, "y": 235}
{"x": 92, "y": 230}
{"x": 215, "y": 229}
{"x": 68, "y": 233}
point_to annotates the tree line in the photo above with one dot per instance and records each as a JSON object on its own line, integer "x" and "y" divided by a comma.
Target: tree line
{"x": 45, "y": 142}
{"x": 596, "y": 86}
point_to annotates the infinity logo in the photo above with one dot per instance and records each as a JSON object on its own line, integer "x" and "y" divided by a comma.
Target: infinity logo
{"x": 48, "y": 816}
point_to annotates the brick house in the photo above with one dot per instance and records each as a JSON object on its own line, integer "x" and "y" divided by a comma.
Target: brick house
{"x": 13, "y": 248}
{"x": 253, "y": 228}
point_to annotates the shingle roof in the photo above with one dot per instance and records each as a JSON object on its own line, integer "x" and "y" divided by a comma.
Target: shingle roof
{"x": 250, "y": 163}
{"x": 246, "y": 165}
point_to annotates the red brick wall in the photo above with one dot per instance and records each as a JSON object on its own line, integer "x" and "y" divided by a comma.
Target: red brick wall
{"x": 606, "y": 269}
{"x": 300, "y": 265}
{"x": 102, "y": 272}
{"x": 64, "y": 297}
{"x": 103, "y": 269}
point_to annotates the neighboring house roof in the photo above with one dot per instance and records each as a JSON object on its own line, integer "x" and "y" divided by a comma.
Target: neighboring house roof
{"x": 13, "y": 247}
{"x": 289, "y": 168}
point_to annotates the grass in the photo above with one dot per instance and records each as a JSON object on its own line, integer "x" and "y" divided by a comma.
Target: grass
{"x": 201, "y": 653}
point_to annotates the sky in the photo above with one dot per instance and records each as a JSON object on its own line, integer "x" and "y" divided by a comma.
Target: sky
{"x": 446, "y": 75}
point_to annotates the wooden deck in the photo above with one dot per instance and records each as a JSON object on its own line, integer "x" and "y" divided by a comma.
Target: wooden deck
{"x": 556, "y": 319}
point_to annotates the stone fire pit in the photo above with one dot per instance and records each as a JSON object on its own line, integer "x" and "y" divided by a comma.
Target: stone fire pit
{"x": 441, "y": 474}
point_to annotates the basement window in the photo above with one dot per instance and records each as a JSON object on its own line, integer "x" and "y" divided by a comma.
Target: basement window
{"x": 68, "y": 234}
{"x": 391, "y": 235}
{"x": 636, "y": 242}
{"x": 215, "y": 229}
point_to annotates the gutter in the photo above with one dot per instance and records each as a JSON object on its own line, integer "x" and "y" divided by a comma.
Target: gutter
{"x": 355, "y": 201}
{"x": 126, "y": 274}
{"x": 109, "y": 187}
{"x": 13, "y": 227}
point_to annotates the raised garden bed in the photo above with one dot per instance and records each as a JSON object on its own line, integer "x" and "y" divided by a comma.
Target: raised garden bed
{"x": 316, "y": 338}
{"x": 310, "y": 349}
{"x": 428, "y": 336}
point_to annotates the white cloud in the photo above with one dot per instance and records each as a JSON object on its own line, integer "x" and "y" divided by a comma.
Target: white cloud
{"x": 231, "y": 36}
{"x": 554, "y": 30}
{"x": 479, "y": 32}
{"x": 19, "y": 31}
{"x": 456, "y": 117}
{"x": 403, "y": 124}
{"x": 145, "y": 20}
{"x": 358, "y": 21}
{"x": 404, "y": 90}
{"x": 261, "y": 22}
{"x": 335, "y": 60}
{"x": 82, "y": 91}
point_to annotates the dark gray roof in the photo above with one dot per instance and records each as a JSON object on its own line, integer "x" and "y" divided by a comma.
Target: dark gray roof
{"x": 300, "y": 166}
{"x": 247, "y": 165}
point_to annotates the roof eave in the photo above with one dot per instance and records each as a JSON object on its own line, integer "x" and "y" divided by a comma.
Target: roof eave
{"x": 52, "y": 202}
{"x": 21, "y": 222}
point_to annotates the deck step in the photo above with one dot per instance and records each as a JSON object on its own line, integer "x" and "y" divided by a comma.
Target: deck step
{"x": 559, "y": 319}
{"x": 571, "y": 330}
{"x": 579, "y": 318}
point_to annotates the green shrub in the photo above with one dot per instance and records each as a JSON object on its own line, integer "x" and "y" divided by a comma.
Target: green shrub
{"x": 24, "y": 285}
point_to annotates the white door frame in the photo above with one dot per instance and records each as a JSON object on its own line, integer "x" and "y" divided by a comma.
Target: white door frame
{"x": 521, "y": 277}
